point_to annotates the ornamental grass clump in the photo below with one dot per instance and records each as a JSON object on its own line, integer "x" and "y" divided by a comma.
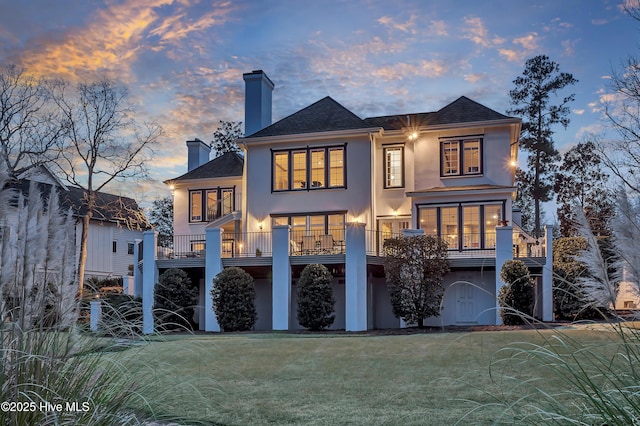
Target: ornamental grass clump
{"x": 234, "y": 295}
{"x": 315, "y": 298}
{"x": 52, "y": 370}
{"x": 598, "y": 369}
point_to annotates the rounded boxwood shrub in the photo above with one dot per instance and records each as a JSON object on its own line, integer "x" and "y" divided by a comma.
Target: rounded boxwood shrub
{"x": 315, "y": 298}
{"x": 174, "y": 299}
{"x": 234, "y": 295}
{"x": 516, "y": 298}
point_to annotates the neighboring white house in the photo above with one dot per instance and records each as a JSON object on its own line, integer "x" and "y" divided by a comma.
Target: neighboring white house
{"x": 114, "y": 228}
{"x": 323, "y": 185}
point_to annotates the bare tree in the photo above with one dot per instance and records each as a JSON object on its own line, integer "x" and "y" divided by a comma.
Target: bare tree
{"x": 622, "y": 108}
{"x": 29, "y": 128}
{"x": 103, "y": 144}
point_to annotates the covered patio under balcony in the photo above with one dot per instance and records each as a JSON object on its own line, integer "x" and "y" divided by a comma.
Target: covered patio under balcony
{"x": 352, "y": 249}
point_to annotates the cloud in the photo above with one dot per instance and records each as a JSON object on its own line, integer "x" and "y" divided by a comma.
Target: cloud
{"x": 438, "y": 28}
{"x": 424, "y": 68}
{"x": 524, "y": 46}
{"x": 511, "y": 55}
{"x": 474, "y": 78}
{"x": 528, "y": 42}
{"x": 179, "y": 26}
{"x": 475, "y": 30}
{"x": 405, "y": 27}
{"x": 112, "y": 38}
{"x": 556, "y": 25}
{"x": 569, "y": 46}
{"x": 578, "y": 111}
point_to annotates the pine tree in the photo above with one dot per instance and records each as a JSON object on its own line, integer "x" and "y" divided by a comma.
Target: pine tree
{"x": 540, "y": 79}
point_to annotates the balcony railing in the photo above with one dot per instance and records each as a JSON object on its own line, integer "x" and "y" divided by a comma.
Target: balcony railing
{"x": 319, "y": 242}
{"x": 184, "y": 246}
{"x": 524, "y": 245}
{"x": 247, "y": 244}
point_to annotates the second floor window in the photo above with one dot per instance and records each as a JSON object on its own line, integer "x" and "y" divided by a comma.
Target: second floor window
{"x": 461, "y": 157}
{"x": 206, "y": 205}
{"x": 309, "y": 168}
{"x": 393, "y": 167}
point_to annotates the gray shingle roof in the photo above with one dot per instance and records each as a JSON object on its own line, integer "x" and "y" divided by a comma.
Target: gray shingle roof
{"x": 324, "y": 115}
{"x": 462, "y": 110}
{"x": 227, "y": 165}
{"x": 328, "y": 115}
{"x": 109, "y": 207}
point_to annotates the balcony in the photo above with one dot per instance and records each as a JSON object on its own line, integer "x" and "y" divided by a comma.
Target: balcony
{"x": 319, "y": 243}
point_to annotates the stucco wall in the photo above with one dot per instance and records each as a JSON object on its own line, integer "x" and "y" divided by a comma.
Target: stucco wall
{"x": 262, "y": 202}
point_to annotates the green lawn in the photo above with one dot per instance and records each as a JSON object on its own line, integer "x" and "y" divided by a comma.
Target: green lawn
{"x": 333, "y": 379}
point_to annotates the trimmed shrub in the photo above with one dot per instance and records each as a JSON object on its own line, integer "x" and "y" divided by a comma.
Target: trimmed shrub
{"x": 315, "y": 298}
{"x": 234, "y": 295}
{"x": 415, "y": 268}
{"x": 174, "y": 299}
{"x": 516, "y": 298}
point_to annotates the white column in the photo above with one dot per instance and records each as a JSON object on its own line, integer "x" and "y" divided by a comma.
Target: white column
{"x": 356, "y": 278}
{"x": 213, "y": 266}
{"x": 137, "y": 275}
{"x": 96, "y": 314}
{"x": 547, "y": 276}
{"x": 149, "y": 279}
{"x": 281, "y": 273}
{"x": 504, "y": 252}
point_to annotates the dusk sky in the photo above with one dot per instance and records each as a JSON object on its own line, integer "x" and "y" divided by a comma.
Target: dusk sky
{"x": 183, "y": 60}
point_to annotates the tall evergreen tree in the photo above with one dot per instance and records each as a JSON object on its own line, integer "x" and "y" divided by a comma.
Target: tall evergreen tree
{"x": 530, "y": 98}
{"x": 581, "y": 183}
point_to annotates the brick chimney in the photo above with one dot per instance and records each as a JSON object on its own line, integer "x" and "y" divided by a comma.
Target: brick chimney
{"x": 257, "y": 101}
{"x": 198, "y": 153}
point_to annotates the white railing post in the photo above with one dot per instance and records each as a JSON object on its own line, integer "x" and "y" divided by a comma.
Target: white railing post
{"x": 137, "y": 274}
{"x": 281, "y": 273}
{"x": 547, "y": 276}
{"x": 356, "y": 277}
{"x": 504, "y": 252}
{"x": 213, "y": 266}
{"x": 149, "y": 278}
{"x": 96, "y": 314}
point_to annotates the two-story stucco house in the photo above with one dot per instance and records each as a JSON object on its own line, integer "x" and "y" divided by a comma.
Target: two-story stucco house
{"x": 323, "y": 185}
